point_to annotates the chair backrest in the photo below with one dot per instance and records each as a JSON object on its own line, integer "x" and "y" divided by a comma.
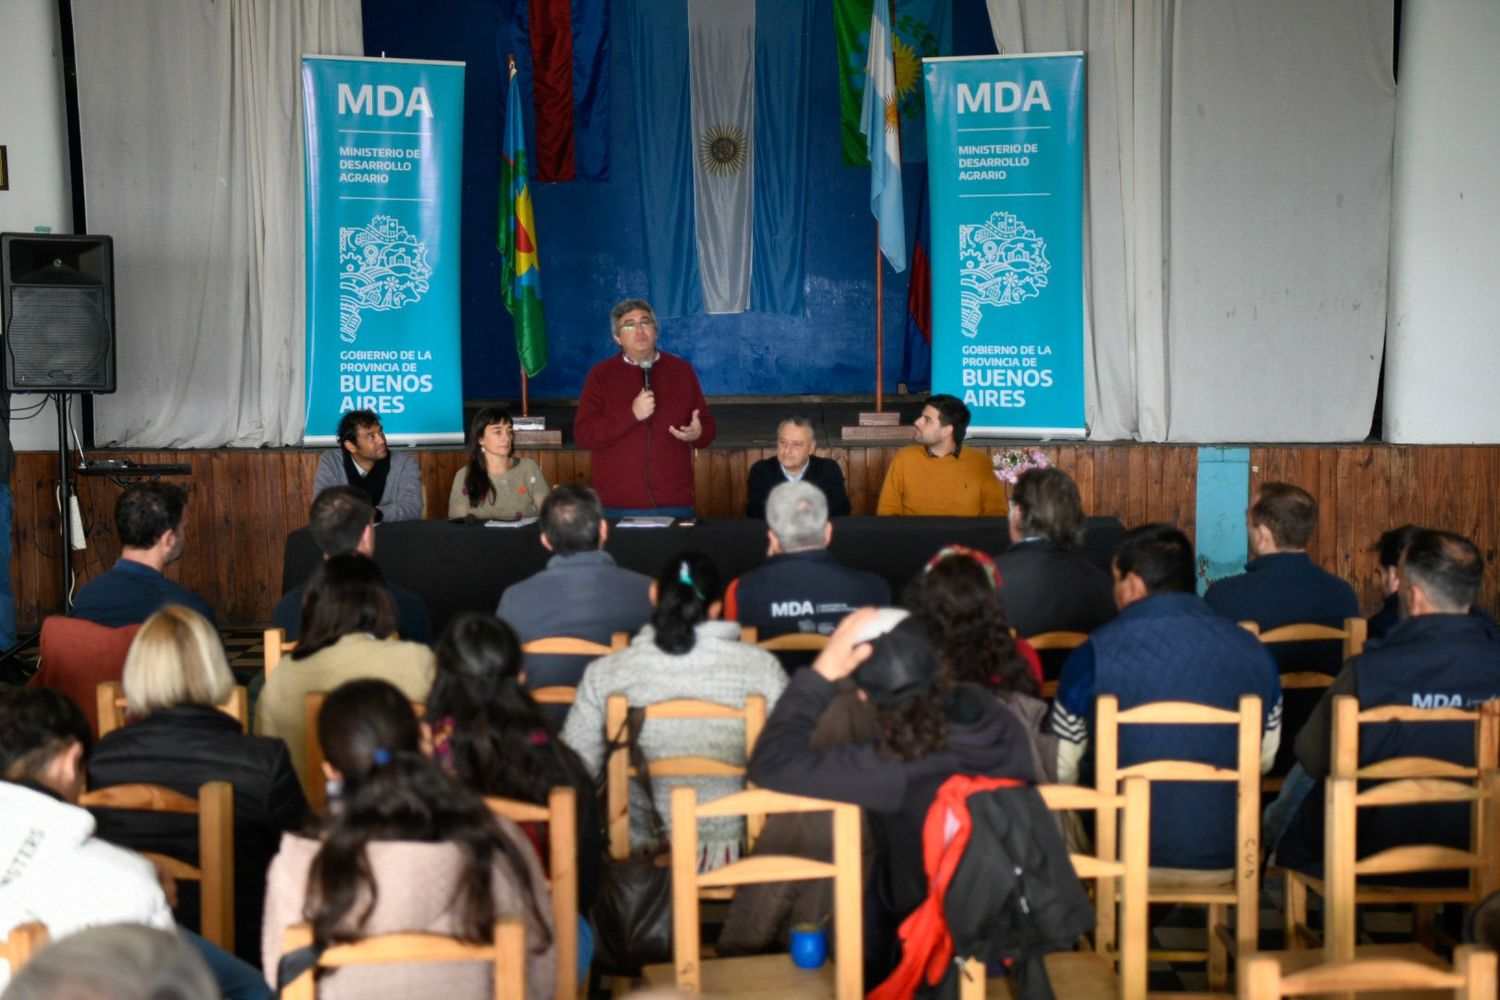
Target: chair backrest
{"x": 794, "y": 642}
{"x": 109, "y": 697}
{"x": 688, "y": 883}
{"x": 274, "y": 647}
{"x": 618, "y": 770}
{"x": 1472, "y": 977}
{"x": 1053, "y": 648}
{"x": 1406, "y": 781}
{"x": 313, "y": 782}
{"x": 560, "y": 817}
{"x": 506, "y": 949}
{"x": 1352, "y": 635}
{"x": 77, "y": 655}
{"x": 1124, "y": 939}
{"x": 1245, "y": 776}
{"x": 23, "y": 941}
{"x": 557, "y": 694}
{"x": 214, "y": 871}
{"x": 564, "y": 645}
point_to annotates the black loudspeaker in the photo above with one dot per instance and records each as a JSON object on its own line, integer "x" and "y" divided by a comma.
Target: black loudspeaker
{"x": 57, "y": 294}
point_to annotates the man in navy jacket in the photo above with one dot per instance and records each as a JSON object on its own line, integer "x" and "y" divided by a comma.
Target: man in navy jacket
{"x": 795, "y": 462}
{"x": 1438, "y": 656}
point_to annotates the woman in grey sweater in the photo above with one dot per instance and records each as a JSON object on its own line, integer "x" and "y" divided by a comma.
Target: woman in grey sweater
{"x": 684, "y": 652}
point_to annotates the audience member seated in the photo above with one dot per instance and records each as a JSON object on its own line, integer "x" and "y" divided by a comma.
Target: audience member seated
{"x": 496, "y": 485}
{"x": 488, "y": 733}
{"x": 796, "y": 461}
{"x": 1048, "y": 585}
{"x": 802, "y": 587}
{"x": 930, "y": 729}
{"x": 406, "y": 849}
{"x": 1437, "y": 656}
{"x": 956, "y": 599}
{"x": 56, "y": 870}
{"x": 685, "y": 652}
{"x": 118, "y": 962}
{"x": 1167, "y": 645}
{"x": 175, "y": 675}
{"x": 935, "y": 477}
{"x": 1281, "y": 585}
{"x": 391, "y": 482}
{"x": 581, "y": 593}
{"x": 148, "y": 518}
{"x": 1388, "y": 550}
{"x": 348, "y": 621}
{"x": 342, "y": 521}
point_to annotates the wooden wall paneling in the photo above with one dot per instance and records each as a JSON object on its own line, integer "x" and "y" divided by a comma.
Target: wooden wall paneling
{"x": 854, "y": 480}
{"x": 1363, "y": 503}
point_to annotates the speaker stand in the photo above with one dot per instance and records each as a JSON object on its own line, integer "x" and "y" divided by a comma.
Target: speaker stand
{"x": 65, "y": 509}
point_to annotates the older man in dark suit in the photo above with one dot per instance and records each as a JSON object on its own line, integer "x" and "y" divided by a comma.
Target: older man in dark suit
{"x": 795, "y": 461}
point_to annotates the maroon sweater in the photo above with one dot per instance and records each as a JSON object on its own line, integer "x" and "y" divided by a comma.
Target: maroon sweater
{"x": 637, "y": 463}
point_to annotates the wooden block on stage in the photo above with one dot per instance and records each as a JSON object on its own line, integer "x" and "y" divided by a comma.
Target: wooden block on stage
{"x": 524, "y": 438}
{"x": 881, "y": 418}
{"x": 891, "y": 432}
{"x": 528, "y": 423}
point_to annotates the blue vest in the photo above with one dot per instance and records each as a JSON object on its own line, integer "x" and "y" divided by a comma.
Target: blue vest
{"x": 1173, "y": 647}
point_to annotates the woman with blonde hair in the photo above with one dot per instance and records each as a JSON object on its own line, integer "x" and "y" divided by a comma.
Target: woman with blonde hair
{"x": 175, "y": 676}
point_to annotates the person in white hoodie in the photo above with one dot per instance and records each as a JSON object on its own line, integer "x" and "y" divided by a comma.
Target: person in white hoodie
{"x": 52, "y": 867}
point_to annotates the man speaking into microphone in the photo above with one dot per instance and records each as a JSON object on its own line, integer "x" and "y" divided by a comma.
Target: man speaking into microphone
{"x": 642, "y": 413}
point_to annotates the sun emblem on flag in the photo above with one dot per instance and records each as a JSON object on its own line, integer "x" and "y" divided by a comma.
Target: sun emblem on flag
{"x": 722, "y": 149}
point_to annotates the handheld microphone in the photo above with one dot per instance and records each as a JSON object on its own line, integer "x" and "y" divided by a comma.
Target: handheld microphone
{"x": 646, "y": 376}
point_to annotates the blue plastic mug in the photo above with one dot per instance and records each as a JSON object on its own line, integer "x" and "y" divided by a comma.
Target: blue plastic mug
{"x": 809, "y": 946}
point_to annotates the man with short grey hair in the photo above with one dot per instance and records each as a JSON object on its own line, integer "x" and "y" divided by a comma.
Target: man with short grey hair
{"x": 801, "y": 587}
{"x": 795, "y": 461}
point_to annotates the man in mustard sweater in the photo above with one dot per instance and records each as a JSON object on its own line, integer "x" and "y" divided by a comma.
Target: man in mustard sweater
{"x": 935, "y": 477}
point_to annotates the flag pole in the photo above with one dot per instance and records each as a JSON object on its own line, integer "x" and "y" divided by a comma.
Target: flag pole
{"x": 879, "y": 325}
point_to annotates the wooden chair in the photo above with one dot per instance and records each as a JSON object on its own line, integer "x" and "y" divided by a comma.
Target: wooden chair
{"x": 618, "y": 770}
{"x": 1352, "y": 642}
{"x": 313, "y": 786}
{"x": 563, "y": 645}
{"x": 1115, "y": 965}
{"x": 1242, "y": 890}
{"x": 507, "y": 950}
{"x": 76, "y": 655}
{"x": 274, "y": 647}
{"x": 794, "y": 642}
{"x": 762, "y": 975}
{"x": 1055, "y": 643}
{"x": 556, "y": 694}
{"x": 110, "y": 699}
{"x": 1405, "y": 781}
{"x": 23, "y": 941}
{"x": 560, "y": 816}
{"x": 214, "y": 872}
{"x": 1471, "y": 978}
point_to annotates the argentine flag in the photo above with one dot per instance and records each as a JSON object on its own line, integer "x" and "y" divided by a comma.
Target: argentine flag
{"x": 720, "y": 91}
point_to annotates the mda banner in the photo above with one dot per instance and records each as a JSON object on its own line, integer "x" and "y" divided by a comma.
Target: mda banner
{"x": 384, "y": 155}
{"x": 1005, "y": 165}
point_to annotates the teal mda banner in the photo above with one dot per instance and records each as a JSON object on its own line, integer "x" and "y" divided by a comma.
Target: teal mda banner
{"x": 384, "y": 154}
{"x": 1005, "y": 165}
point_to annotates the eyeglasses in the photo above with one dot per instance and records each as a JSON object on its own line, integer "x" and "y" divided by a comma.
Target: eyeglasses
{"x": 633, "y": 324}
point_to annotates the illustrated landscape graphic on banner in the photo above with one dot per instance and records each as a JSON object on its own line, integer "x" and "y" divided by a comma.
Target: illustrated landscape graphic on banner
{"x": 384, "y": 154}
{"x": 1005, "y": 162}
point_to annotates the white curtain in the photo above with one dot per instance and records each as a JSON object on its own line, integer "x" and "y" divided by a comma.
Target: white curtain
{"x": 191, "y": 121}
{"x": 1237, "y": 211}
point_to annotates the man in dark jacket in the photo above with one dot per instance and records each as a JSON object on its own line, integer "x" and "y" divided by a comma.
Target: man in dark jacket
{"x": 796, "y": 462}
{"x": 581, "y": 593}
{"x": 343, "y": 522}
{"x": 895, "y": 778}
{"x": 1047, "y": 584}
{"x": 1281, "y": 585}
{"x": 1438, "y": 656}
{"x": 1167, "y": 645}
{"x": 802, "y": 587}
